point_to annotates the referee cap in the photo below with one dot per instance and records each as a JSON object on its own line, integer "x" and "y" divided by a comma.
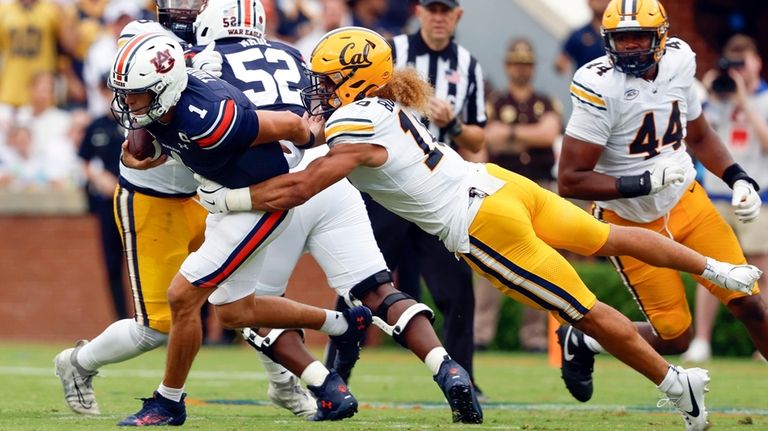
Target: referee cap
{"x": 450, "y": 3}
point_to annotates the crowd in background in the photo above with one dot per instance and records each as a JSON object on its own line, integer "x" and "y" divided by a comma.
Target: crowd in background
{"x": 56, "y": 131}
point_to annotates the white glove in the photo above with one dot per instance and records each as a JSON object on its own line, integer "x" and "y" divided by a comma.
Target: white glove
{"x": 208, "y": 60}
{"x": 746, "y": 201}
{"x": 664, "y": 174}
{"x": 294, "y": 155}
{"x": 212, "y": 195}
{"x": 739, "y": 278}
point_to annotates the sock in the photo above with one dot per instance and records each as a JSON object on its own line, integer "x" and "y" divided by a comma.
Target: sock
{"x": 592, "y": 344}
{"x": 671, "y": 383}
{"x": 122, "y": 340}
{"x": 276, "y": 373}
{"x": 335, "y": 323}
{"x": 315, "y": 374}
{"x": 172, "y": 394}
{"x": 435, "y": 358}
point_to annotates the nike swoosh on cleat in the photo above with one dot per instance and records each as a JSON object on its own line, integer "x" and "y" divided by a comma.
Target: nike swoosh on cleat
{"x": 568, "y": 356}
{"x": 695, "y": 410}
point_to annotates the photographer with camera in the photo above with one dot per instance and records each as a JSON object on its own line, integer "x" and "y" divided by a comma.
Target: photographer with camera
{"x": 738, "y": 111}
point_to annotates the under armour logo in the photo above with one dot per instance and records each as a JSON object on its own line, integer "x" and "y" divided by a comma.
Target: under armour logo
{"x": 343, "y": 389}
{"x": 326, "y": 404}
{"x": 360, "y": 322}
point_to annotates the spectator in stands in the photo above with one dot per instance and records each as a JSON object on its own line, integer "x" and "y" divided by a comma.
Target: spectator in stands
{"x": 98, "y": 60}
{"x": 738, "y": 111}
{"x": 584, "y": 44}
{"x": 333, "y": 14}
{"x": 50, "y": 127}
{"x": 369, "y": 14}
{"x": 523, "y": 126}
{"x": 30, "y": 33}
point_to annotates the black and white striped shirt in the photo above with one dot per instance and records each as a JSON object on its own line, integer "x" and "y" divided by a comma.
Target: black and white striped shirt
{"x": 454, "y": 72}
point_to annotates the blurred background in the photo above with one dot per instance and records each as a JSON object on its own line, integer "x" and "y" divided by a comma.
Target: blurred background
{"x": 58, "y": 282}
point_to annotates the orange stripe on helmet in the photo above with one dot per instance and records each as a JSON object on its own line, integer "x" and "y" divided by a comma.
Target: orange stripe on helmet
{"x": 248, "y": 13}
{"x": 121, "y": 63}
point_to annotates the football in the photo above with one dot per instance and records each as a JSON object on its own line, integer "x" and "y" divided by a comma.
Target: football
{"x": 142, "y": 145}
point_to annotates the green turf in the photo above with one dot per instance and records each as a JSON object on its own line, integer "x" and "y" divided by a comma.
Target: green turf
{"x": 227, "y": 391}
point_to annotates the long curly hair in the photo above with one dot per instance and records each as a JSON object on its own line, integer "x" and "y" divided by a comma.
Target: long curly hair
{"x": 407, "y": 88}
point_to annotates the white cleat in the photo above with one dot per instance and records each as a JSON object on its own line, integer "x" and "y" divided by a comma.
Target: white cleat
{"x": 691, "y": 403}
{"x": 698, "y": 351}
{"x": 739, "y": 278}
{"x": 78, "y": 387}
{"x": 292, "y": 397}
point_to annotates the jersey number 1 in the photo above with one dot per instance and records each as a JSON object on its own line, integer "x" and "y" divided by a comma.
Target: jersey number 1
{"x": 645, "y": 142}
{"x": 434, "y": 155}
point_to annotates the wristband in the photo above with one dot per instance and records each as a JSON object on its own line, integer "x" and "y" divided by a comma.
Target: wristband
{"x": 735, "y": 173}
{"x": 631, "y": 186}
{"x": 309, "y": 144}
{"x": 238, "y": 199}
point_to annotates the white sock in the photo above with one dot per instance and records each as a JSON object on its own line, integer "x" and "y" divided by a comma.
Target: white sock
{"x": 276, "y": 373}
{"x": 335, "y": 323}
{"x": 592, "y": 344}
{"x": 120, "y": 341}
{"x": 671, "y": 383}
{"x": 435, "y": 358}
{"x": 314, "y": 374}
{"x": 172, "y": 394}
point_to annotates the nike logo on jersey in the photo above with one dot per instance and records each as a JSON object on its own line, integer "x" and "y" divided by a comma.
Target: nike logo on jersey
{"x": 695, "y": 409}
{"x": 567, "y": 354}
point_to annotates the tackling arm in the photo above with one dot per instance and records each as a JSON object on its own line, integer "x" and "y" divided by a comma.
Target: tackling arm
{"x": 290, "y": 190}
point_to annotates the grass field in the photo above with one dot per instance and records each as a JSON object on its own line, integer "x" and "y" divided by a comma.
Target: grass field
{"x": 227, "y": 391}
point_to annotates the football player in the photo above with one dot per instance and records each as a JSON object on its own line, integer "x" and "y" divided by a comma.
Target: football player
{"x": 78, "y": 378}
{"x": 635, "y": 113}
{"x": 505, "y": 226}
{"x": 333, "y": 226}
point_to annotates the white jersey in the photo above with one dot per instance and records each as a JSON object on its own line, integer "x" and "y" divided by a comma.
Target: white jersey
{"x": 172, "y": 177}
{"x": 639, "y": 122}
{"x": 422, "y": 181}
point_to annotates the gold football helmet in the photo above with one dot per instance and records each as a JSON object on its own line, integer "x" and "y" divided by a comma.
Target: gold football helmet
{"x": 346, "y": 65}
{"x": 635, "y": 16}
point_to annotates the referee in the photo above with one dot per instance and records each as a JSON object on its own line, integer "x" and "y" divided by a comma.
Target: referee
{"x": 457, "y": 117}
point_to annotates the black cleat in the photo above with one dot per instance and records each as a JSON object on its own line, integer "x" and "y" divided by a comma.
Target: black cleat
{"x": 459, "y": 391}
{"x": 578, "y": 362}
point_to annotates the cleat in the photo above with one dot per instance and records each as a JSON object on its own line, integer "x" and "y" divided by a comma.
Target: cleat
{"x": 157, "y": 411}
{"x": 292, "y": 397}
{"x": 691, "y": 403}
{"x": 334, "y": 401}
{"x": 459, "y": 391}
{"x": 578, "y": 362}
{"x": 348, "y": 343}
{"x": 77, "y": 382}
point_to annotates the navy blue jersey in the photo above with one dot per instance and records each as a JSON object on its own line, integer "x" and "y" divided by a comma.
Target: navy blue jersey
{"x": 211, "y": 131}
{"x": 272, "y": 74}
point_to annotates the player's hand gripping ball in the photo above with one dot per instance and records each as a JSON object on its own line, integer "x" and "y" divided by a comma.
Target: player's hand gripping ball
{"x": 142, "y": 145}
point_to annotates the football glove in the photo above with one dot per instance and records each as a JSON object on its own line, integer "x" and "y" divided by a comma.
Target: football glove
{"x": 664, "y": 174}
{"x": 208, "y": 60}
{"x": 212, "y": 195}
{"x": 739, "y": 278}
{"x": 746, "y": 201}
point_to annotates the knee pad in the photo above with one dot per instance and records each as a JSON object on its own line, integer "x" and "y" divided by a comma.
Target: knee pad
{"x": 264, "y": 344}
{"x": 371, "y": 283}
{"x": 396, "y": 330}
